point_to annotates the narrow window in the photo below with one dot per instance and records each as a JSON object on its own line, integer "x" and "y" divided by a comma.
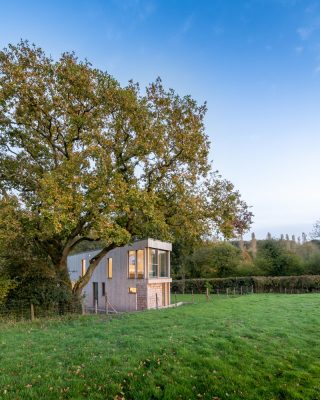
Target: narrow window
{"x": 103, "y": 287}
{"x": 132, "y": 264}
{"x": 163, "y": 263}
{"x": 109, "y": 268}
{"x": 83, "y": 267}
{"x": 140, "y": 264}
{"x": 95, "y": 293}
{"x": 132, "y": 290}
{"x": 153, "y": 266}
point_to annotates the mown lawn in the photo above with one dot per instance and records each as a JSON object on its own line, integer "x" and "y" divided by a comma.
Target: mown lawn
{"x": 249, "y": 347}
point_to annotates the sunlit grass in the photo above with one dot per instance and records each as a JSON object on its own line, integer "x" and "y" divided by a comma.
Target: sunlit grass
{"x": 249, "y": 347}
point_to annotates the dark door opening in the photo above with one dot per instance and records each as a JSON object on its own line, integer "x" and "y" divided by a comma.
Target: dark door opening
{"x": 95, "y": 293}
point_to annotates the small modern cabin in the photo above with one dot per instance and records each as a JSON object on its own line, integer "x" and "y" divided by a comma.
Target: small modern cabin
{"x": 129, "y": 278}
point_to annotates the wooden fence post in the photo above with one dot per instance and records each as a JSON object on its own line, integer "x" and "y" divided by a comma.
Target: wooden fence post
{"x": 32, "y": 312}
{"x": 175, "y": 298}
{"x": 241, "y": 290}
{"x": 83, "y": 310}
{"x": 227, "y": 292}
{"x": 207, "y": 294}
{"x": 96, "y": 307}
{"x": 217, "y": 291}
{"x": 252, "y": 291}
{"x": 234, "y": 291}
{"x": 106, "y": 299}
{"x": 157, "y": 301}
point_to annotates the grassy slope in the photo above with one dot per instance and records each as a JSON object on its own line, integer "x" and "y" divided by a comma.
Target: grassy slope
{"x": 250, "y": 347}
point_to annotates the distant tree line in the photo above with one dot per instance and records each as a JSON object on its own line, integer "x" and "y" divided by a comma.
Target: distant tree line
{"x": 270, "y": 257}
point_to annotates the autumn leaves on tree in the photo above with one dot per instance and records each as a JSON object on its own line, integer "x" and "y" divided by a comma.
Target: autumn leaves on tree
{"x": 84, "y": 159}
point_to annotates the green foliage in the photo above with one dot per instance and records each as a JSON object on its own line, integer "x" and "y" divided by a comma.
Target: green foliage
{"x": 303, "y": 283}
{"x": 43, "y": 292}
{"x": 247, "y": 268}
{"x": 274, "y": 259}
{"x": 251, "y": 347}
{"x": 208, "y": 286}
{"x": 313, "y": 264}
{"x": 6, "y": 284}
{"x": 222, "y": 259}
{"x": 213, "y": 259}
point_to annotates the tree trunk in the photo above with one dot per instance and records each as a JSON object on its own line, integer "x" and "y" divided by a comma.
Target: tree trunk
{"x": 63, "y": 274}
{"x": 84, "y": 280}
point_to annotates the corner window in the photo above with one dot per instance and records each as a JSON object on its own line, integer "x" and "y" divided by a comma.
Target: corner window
{"x": 158, "y": 263}
{"x": 163, "y": 263}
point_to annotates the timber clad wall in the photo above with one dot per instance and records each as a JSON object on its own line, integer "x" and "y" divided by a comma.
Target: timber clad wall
{"x": 153, "y": 289}
{"x": 117, "y": 288}
{"x": 142, "y": 295}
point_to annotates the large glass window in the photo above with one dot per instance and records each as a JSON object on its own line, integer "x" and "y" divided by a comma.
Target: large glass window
{"x": 158, "y": 263}
{"x": 163, "y": 263}
{"x": 140, "y": 264}
{"x": 132, "y": 265}
{"x": 153, "y": 263}
{"x": 136, "y": 264}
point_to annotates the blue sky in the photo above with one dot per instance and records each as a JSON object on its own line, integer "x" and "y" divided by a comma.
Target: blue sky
{"x": 256, "y": 63}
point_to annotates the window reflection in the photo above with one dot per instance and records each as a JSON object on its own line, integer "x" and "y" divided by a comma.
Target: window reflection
{"x": 132, "y": 265}
{"x": 140, "y": 264}
{"x": 163, "y": 263}
{"x": 153, "y": 260}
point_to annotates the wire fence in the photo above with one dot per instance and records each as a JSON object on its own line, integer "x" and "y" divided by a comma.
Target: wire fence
{"x": 257, "y": 284}
{"x": 29, "y": 311}
{"x": 196, "y": 296}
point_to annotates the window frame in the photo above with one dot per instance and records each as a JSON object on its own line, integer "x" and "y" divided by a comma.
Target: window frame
{"x": 83, "y": 267}
{"x": 109, "y": 268}
{"x": 130, "y": 275}
{"x": 149, "y": 263}
{"x": 137, "y": 264}
{"x": 165, "y": 253}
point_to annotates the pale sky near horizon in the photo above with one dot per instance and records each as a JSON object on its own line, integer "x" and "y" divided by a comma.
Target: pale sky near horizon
{"x": 255, "y": 62}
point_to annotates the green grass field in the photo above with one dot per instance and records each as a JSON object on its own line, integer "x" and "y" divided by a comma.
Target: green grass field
{"x": 249, "y": 347}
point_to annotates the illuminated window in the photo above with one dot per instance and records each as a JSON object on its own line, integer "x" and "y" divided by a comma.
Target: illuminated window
{"x": 132, "y": 290}
{"x": 153, "y": 263}
{"x": 83, "y": 267}
{"x": 109, "y": 268}
{"x": 132, "y": 264}
{"x": 140, "y": 264}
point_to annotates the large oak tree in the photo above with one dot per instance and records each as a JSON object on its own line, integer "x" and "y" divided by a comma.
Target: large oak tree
{"x": 83, "y": 159}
